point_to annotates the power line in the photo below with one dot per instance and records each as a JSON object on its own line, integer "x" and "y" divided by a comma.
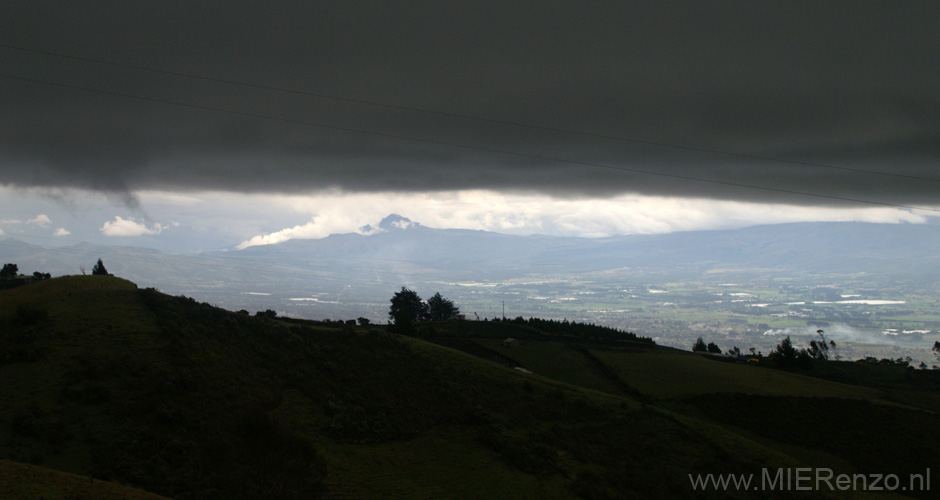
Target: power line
{"x": 413, "y": 109}
{"x": 464, "y": 146}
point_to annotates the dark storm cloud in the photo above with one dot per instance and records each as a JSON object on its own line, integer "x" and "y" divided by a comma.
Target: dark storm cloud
{"x": 849, "y": 85}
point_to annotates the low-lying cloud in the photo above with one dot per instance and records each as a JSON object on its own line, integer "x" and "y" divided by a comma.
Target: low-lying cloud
{"x": 130, "y": 227}
{"x": 318, "y": 227}
{"x": 41, "y": 220}
{"x": 838, "y": 332}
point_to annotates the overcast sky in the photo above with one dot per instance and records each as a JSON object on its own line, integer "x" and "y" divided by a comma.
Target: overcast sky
{"x": 194, "y": 125}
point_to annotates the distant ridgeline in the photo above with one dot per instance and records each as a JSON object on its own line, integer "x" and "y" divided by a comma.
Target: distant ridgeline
{"x": 565, "y": 328}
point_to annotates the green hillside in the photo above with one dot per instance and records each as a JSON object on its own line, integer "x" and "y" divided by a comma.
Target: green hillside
{"x": 188, "y": 401}
{"x": 850, "y": 416}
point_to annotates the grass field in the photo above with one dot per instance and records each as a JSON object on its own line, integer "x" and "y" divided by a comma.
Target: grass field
{"x": 557, "y": 361}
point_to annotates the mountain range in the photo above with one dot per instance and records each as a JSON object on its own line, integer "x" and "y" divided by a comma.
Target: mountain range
{"x": 810, "y": 247}
{"x": 364, "y": 268}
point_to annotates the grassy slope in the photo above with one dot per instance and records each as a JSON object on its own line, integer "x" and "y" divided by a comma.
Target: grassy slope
{"x": 766, "y": 406}
{"x": 30, "y": 482}
{"x": 74, "y": 337}
{"x": 555, "y": 360}
{"x": 674, "y": 374}
{"x": 823, "y": 418}
{"x": 157, "y": 391}
{"x": 117, "y": 395}
{"x": 859, "y": 418}
{"x": 640, "y": 449}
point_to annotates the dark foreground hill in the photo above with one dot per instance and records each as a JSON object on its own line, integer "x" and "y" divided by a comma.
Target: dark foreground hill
{"x": 189, "y": 401}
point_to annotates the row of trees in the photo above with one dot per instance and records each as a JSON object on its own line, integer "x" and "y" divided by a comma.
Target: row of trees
{"x": 821, "y": 349}
{"x": 786, "y": 355}
{"x": 10, "y": 271}
{"x": 407, "y": 308}
{"x": 699, "y": 346}
{"x": 580, "y": 330}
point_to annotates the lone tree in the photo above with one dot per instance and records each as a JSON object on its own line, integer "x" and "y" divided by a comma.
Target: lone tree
{"x": 699, "y": 346}
{"x": 9, "y": 271}
{"x": 819, "y": 349}
{"x": 785, "y": 353}
{"x": 441, "y": 309}
{"x": 407, "y": 309}
{"x": 99, "y": 269}
{"x": 787, "y": 356}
